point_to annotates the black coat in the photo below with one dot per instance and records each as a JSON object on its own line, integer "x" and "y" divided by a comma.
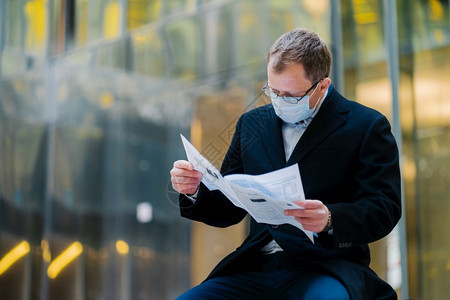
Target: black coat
{"x": 348, "y": 159}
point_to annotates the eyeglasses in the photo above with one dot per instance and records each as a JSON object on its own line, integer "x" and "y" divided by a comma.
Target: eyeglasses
{"x": 292, "y": 100}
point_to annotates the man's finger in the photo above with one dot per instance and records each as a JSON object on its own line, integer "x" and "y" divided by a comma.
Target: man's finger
{"x": 175, "y": 172}
{"x": 183, "y": 164}
{"x": 186, "y": 180}
{"x": 295, "y": 212}
{"x": 309, "y": 204}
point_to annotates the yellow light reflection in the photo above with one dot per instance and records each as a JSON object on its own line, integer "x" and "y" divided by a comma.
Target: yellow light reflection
{"x": 36, "y": 14}
{"x": 113, "y": 13}
{"x": 196, "y": 132}
{"x": 68, "y": 255}
{"x": 122, "y": 247}
{"x": 46, "y": 255}
{"x": 437, "y": 10}
{"x": 366, "y": 18}
{"x": 106, "y": 100}
{"x": 12, "y": 256}
{"x": 365, "y": 13}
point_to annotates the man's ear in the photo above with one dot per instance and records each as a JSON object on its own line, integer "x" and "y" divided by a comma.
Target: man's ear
{"x": 324, "y": 84}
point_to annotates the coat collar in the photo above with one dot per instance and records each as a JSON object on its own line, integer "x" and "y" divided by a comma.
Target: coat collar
{"x": 330, "y": 117}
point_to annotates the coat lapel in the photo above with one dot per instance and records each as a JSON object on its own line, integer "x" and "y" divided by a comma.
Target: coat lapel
{"x": 272, "y": 138}
{"x": 330, "y": 117}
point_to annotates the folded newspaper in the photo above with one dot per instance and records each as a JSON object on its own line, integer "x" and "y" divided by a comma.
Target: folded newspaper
{"x": 264, "y": 197}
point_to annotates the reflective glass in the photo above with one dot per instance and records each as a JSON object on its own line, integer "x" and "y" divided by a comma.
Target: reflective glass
{"x": 143, "y": 12}
{"x": 425, "y": 47}
{"x": 367, "y": 81}
{"x": 173, "y": 7}
{"x": 149, "y": 55}
{"x": 98, "y": 165}
{"x": 35, "y": 15}
{"x": 185, "y": 47}
{"x": 14, "y": 26}
{"x": 81, "y": 19}
{"x": 92, "y": 104}
{"x": 23, "y": 162}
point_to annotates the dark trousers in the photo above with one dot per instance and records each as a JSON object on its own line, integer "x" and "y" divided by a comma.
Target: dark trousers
{"x": 270, "y": 276}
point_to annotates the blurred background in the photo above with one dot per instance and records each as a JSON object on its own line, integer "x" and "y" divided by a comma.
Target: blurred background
{"x": 94, "y": 95}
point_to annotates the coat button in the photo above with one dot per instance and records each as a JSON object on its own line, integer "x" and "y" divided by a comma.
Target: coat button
{"x": 345, "y": 245}
{"x": 275, "y": 226}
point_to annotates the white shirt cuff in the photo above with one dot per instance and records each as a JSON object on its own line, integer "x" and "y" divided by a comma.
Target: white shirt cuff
{"x": 193, "y": 197}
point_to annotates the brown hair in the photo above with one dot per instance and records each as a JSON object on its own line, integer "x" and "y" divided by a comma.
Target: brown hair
{"x": 304, "y": 47}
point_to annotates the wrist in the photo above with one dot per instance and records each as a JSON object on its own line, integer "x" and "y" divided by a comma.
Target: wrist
{"x": 329, "y": 225}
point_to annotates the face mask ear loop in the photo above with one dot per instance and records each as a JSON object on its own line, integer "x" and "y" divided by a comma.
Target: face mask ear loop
{"x": 317, "y": 102}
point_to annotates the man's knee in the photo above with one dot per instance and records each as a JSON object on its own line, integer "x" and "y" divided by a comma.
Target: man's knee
{"x": 327, "y": 288}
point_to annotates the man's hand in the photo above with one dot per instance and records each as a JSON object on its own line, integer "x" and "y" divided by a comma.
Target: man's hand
{"x": 185, "y": 180}
{"x": 314, "y": 216}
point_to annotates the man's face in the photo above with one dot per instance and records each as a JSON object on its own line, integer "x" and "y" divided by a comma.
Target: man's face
{"x": 292, "y": 82}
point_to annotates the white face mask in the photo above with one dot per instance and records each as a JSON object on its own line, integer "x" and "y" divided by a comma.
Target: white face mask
{"x": 293, "y": 113}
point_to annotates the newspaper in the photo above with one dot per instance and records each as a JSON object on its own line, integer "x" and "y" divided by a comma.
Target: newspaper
{"x": 264, "y": 197}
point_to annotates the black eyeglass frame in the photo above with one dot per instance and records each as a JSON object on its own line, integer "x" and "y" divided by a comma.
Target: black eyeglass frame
{"x": 268, "y": 91}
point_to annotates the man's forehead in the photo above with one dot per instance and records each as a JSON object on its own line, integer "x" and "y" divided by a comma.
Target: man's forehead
{"x": 292, "y": 78}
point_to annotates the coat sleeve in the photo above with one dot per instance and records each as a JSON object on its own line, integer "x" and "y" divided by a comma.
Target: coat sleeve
{"x": 376, "y": 205}
{"x": 212, "y": 207}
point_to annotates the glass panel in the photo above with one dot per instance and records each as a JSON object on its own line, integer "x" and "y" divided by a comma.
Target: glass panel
{"x": 424, "y": 36}
{"x": 112, "y": 20}
{"x": 217, "y": 108}
{"x": 109, "y": 154}
{"x": 15, "y": 26}
{"x": 220, "y": 27}
{"x": 2, "y": 21}
{"x": 115, "y": 55}
{"x": 96, "y": 20}
{"x": 186, "y": 48}
{"x": 250, "y": 47}
{"x": 110, "y": 124}
{"x": 96, "y": 14}
{"x": 23, "y": 161}
{"x": 55, "y": 28}
{"x": 172, "y": 7}
{"x": 367, "y": 81}
{"x": 81, "y": 23}
{"x": 141, "y": 12}
{"x": 13, "y": 62}
{"x": 149, "y": 55}
{"x": 36, "y": 25}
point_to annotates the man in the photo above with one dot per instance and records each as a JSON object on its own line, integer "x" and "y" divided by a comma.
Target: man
{"x": 349, "y": 165}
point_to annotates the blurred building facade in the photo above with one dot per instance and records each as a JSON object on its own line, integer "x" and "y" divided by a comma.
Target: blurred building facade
{"x": 94, "y": 95}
